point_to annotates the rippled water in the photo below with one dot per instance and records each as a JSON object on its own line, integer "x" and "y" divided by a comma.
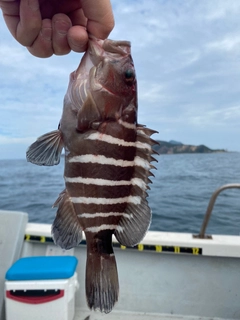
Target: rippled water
{"x": 178, "y": 197}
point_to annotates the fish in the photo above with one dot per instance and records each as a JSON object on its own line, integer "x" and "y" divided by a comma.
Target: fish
{"x": 108, "y": 165}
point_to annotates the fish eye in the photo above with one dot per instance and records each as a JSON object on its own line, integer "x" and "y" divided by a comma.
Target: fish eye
{"x": 129, "y": 75}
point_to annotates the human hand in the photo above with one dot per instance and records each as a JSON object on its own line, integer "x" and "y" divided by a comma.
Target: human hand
{"x": 48, "y": 27}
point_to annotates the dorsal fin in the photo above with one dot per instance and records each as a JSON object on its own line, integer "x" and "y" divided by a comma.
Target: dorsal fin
{"x": 46, "y": 150}
{"x": 138, "y": 216}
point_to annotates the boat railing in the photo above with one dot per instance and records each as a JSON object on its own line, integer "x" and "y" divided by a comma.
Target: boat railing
{"x": 211, "y": 203}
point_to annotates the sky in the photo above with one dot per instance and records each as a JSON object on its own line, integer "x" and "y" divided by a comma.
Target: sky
{"x": 187, "y": 60}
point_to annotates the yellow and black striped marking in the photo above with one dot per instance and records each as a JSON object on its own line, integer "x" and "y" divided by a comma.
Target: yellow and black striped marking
{"x": 162, "y": 249}
{"x": 38, "y": 239}
{"x": 139, "y": 247}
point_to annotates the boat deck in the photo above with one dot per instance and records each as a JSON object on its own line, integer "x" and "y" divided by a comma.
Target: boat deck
{"x": 87, "y": 315}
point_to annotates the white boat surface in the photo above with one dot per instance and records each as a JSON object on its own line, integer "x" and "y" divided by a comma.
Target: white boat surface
{"x": 168, "y": 275}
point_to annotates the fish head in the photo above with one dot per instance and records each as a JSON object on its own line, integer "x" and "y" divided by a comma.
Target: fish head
{"x": 103, "y": 89}
{"x": 109, "y": 64}
{"x": 113, "y": 84}
{"x": 114, "y": 69}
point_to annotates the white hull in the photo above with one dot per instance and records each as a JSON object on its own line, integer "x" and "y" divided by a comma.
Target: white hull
{"x": 168, "y": 276}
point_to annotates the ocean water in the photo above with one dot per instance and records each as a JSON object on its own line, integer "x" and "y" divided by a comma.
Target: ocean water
{"x": 179, "y": 194}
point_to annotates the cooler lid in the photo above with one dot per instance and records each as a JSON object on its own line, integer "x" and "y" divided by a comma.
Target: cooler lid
{"x": 42, "y": 268}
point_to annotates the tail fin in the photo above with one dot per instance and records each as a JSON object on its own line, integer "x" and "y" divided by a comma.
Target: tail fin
{"x": 101, "y": 280}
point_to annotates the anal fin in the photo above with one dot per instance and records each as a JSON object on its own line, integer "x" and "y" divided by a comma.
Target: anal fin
{"x": 66, "y": 229}
{"x": 46, "y": 150}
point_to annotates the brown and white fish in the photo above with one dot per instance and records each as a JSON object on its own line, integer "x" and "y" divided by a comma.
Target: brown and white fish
{"x": 107, "y": 165}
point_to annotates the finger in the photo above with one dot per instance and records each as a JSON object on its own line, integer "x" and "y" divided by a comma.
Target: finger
{"x": 78, "y": 38}
{"x": 42, "y": 46}
{"x": 100, "y": 17}
{"x": 30, "y": 23}
{"x": 78, "y": 18}
{"x": 10, "y": 10}
{"x": 77, "y": 35}
{"x": 61, "y": 23}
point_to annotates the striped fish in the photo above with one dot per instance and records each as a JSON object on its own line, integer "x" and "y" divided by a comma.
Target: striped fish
{"x": 107, "y": 165}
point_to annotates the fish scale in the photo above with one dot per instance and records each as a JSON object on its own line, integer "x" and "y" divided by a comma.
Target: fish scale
{"x": 108, "y": 159}
{"x": 102, "y": 193}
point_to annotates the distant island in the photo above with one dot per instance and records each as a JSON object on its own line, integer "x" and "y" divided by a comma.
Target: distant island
{"x": 175, "y": 147}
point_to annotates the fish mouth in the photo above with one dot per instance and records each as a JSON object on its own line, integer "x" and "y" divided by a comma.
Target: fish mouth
{"x": 119, "y": 47}
{"x": 99, "y": 49}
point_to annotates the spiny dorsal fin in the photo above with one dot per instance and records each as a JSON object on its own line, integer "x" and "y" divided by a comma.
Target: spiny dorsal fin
{"x": 46, "y": 150}
{"x": 138, "y": 217}
{"x": 66, "y": 230}
{"x": 142, "y": 129}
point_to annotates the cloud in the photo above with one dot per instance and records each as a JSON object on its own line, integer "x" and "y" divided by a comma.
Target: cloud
{"x": 229, "y": 43}
{"x": 187, "y": 63}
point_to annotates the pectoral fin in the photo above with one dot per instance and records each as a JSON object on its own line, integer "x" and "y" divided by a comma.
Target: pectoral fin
{"x": 46, "y": 150}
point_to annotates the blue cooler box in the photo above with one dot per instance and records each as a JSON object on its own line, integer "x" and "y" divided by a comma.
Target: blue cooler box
{"x": 41, "y": 288}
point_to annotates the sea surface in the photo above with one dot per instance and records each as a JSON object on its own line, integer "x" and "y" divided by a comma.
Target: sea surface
{"x": 179, "y": 194}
